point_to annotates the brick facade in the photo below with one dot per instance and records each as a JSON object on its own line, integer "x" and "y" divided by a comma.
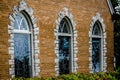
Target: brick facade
{"x": 47, "y": 12}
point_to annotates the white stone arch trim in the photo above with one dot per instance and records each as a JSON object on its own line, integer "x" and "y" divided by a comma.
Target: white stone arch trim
{"x": 103, "y": 46}
{"x": 36, "y": 61}
{"x": 65, "y": 13}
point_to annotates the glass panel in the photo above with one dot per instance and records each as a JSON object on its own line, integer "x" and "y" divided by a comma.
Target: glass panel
{"x": 96, "y": 52}
{"x": 64, "y": 27}
{"x": 20, "y": 23}
{"x": 24, "y": 25}
{"x": 22, "y": 55}
{"x": 96, "y": 29}
{"x": 16, "y": 23}
{"x": 64, "y": 55}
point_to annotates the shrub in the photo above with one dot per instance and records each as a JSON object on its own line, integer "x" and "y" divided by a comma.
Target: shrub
{"x": 115, "y": 75}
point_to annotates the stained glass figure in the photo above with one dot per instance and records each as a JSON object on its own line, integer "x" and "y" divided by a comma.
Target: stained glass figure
{"x": 96, "y": 50}
{"x": 22, "y": 47}
{"x": 64, "y": 55}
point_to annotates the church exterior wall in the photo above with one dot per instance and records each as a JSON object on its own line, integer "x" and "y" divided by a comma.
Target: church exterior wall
{"x": 47, "y": 12}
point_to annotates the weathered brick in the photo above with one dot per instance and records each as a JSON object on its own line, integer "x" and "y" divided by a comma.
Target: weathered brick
{"x": 47, "y": 12}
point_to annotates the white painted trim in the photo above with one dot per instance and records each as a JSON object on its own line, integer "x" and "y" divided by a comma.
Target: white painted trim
{"x": 35, "y": 52}
{"x": 23, "y": 18}
{"x": 110, "y": 6}
{"x": 103, "y": 42}
{"x": 63, "y": 34}
{"x": 22, "y": 31}
{"x": 114, "y": 62}
{"x": 94, "y": 36}
{"x": 62, "y": 14}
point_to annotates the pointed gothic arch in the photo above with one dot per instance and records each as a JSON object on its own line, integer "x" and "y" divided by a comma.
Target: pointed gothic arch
{"x": 68, "y": 33}
{"x": 26, "y": 12}
{"x": 97, "y": 41}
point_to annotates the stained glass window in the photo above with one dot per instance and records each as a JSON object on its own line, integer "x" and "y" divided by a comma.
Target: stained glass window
{"x": 22, "y": 47}
{"x": 96, "y": 48}
{"x": 64, "y": 27}
{"x": 20, "y": 23}
{"x": 64, "y": 54}
{"x": 96, "y": 29}
{"x": 64, "y": 48}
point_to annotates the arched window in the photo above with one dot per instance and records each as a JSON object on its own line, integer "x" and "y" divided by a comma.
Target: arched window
{"x": 97, "y": 29}
{"x": 97, "y": 43}
{"x": 96, "y": 47}
{"x": 65, "y": 47}
{"x": 22, "y": 46}
{"x": 66, "y": 43}
{"x": 23, "y": 49}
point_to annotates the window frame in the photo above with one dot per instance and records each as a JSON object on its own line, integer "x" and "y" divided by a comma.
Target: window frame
{"x": 69, "y": 34}
{"x": 28, "y": 31}
{"x": 101, "y": 42}
{"x": 103, "y": 36}
{"x": 64, "y": 13}
{"x": 28, "y": 13}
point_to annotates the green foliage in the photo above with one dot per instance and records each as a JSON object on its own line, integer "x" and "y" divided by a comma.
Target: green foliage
{"x": 114, "y": 3}
{"x": 20, "y": 78}
{"x": 117, "y": 41}
{"x": 69, "y": 76}
{"x": 116, "y": 35}
{"x": 115, "y": 75}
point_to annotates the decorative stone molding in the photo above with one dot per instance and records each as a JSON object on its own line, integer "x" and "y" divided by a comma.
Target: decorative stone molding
{"x": 104, "y": 49}
{"x": 65, "y": 13}
{"x": 36, "y": 61}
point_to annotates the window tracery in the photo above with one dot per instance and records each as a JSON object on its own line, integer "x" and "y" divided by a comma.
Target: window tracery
{"x": 97, "y": 43}
{"x": 22, "y": 23}
{"x": 66, "y": 44}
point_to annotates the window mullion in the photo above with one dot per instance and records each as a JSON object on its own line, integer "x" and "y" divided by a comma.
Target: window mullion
{"x": 96, "y": 36}
{"x": 64, "y": 34}
{"x": 22, "y": 31}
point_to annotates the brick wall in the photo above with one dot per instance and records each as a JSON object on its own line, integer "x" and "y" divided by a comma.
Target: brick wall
{"x": 47, "y": 12}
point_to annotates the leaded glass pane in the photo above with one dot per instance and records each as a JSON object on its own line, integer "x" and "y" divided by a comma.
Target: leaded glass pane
{"x": 24, "y": 25}
{"x": 64, "y": 55}
{"x": 64, "y": 27}
{"x": 22, "y": 55}
{"x": 96, "y": 29}
{"x": 20, "y": 23}
{"x": 96, "y": 51}
{"x": 16, "y": 26}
